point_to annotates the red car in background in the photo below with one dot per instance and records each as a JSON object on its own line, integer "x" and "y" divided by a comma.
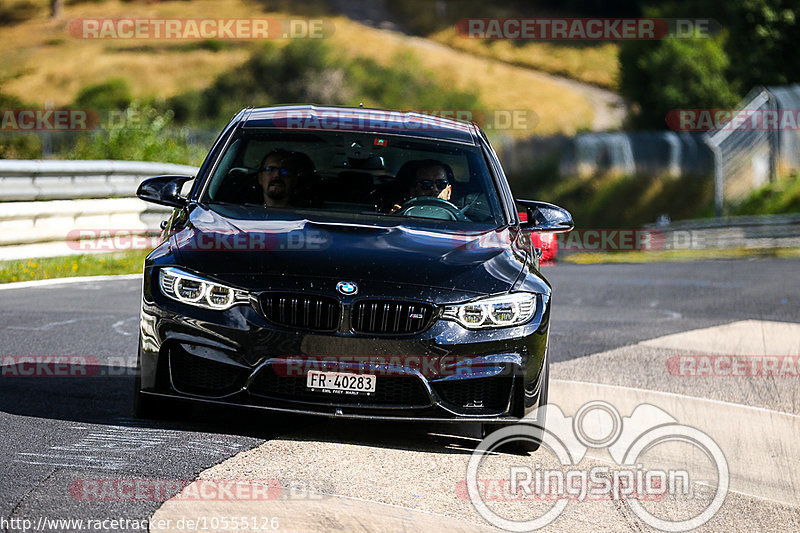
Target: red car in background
{"x": 546, "y": 242}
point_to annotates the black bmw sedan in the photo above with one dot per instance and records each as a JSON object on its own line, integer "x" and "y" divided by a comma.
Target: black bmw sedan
{"x": 350, "y": 263}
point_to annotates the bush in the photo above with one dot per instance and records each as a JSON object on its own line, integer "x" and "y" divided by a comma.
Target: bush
{"x": 405, "y": 85}
{"x": 306, "y": 71}
{"x": 114, "y": 94}
{"x": 15, "y": 144}
{"x": 778, "y": 197}
{"x": 16, "y": 12}
{"x": 146, "y": 135}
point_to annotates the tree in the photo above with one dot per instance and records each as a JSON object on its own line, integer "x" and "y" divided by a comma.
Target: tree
{"x": 673, "y": 73}
{"x": 55, "y": 8}
{"x": 764, "y": 35}
{"x": 758, "y": 47}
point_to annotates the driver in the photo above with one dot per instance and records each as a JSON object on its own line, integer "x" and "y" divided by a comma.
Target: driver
{"x": 426, "y": 177}
{"x": 282, "y": 174}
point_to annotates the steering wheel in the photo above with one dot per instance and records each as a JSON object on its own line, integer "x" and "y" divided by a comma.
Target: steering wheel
{"x": 431, "y": 207}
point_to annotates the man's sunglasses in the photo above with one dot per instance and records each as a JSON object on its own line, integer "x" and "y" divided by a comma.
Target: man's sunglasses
{"x": 427, "y": 185}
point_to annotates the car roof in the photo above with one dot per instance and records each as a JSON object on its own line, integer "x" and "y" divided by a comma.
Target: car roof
{"x": 362, "y": 120}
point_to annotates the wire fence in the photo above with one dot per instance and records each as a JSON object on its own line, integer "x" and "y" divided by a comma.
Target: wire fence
{"x": 751, "y": 146}
{"x": 760, "y": 144}
{"x": 639, "y": 153}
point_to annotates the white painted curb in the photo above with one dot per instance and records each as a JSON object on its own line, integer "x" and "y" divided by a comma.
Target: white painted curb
{"x": 64, "y": 281}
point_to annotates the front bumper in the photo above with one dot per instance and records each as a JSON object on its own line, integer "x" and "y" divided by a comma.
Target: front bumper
{"x": 237, "y": 357}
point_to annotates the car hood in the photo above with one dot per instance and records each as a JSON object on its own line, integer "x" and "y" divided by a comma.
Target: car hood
{"x": 482, "y": 262}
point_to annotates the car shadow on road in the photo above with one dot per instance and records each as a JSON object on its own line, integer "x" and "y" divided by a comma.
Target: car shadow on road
{"x": 100, "y": 395}
{"x": 430, "y": 437}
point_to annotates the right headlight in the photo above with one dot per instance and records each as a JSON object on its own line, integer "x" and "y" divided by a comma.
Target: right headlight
{"x": 511, "y": 309}
{"x": 194, "y": 290}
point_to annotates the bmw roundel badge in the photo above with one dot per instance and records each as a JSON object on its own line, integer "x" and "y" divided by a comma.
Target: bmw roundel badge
{"x": 348, "y": 288}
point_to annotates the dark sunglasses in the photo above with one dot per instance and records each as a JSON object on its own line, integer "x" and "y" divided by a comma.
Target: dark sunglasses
{"x": 427, "y": 185}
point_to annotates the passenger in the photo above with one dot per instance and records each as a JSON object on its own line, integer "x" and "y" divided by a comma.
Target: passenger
{"x": 302, "y": 172}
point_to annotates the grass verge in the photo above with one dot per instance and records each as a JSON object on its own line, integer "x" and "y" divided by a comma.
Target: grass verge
{"x": 131, "y": 262}
{"x": 778, "y": 197}
{"x": 72, "y": 266}
{"x": 617, "y": 201}
{"x": 596, "y": 65}
{"x": 658, "y": 256}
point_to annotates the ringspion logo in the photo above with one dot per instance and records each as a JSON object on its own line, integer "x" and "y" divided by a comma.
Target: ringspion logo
{"x": 629, "y": 441}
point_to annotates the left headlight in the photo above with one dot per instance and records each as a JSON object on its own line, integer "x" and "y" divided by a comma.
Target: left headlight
{"x": 193, "y": 290}
{"x": 511, "y": 309}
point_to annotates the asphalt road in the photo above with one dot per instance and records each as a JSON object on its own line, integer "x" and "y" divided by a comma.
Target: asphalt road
{"x": 602, "y": 307}
{"x": 61, "y": 434}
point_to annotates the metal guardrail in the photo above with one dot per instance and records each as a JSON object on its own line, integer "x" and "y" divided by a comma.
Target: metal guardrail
{"x": 56, "y": 220}
{"x": 642, "y": 153}
{"x": 43, "y": 203}
{"x": 762, "y": 231}
{"x": 22, "y": 180}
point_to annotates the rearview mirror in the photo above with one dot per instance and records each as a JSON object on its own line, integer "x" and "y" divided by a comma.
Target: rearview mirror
{"x": 164, "y": 190}
{"x": 546, "y": 218}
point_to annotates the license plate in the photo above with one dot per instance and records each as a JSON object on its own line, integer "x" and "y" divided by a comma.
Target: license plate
{"x": 341, "y": 382}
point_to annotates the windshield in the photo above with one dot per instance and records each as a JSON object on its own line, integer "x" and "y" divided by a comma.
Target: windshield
{"x": 355, "y": 173}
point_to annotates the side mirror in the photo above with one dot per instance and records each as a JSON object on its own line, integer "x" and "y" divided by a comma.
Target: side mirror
{"x": 546, "y": 218}
{"x": 163, "y": 190}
